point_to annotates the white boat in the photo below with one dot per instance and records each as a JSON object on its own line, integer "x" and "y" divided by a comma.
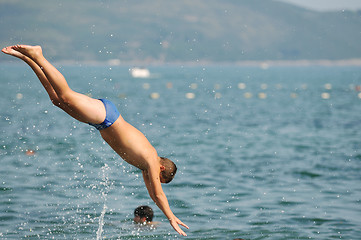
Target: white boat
{"x": 139, "y": 72}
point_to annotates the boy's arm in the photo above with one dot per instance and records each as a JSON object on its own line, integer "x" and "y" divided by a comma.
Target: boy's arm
{"x": 147, "y": 184}
{"x": 152, "y": 182}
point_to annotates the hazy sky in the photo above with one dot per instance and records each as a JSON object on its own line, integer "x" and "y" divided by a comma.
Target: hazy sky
{"x": 324, "y": 5}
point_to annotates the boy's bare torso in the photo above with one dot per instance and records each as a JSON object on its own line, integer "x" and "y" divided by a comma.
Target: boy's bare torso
{"x": 130, "y": 144}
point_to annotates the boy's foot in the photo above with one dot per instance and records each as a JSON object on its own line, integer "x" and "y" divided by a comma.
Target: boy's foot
{"x": 11, "y": 51}
{"x": 30, "y": 51}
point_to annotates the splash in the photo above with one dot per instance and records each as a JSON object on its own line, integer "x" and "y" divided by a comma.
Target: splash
{"x": 105, "y": 189}
{"x": 101, "y": 222}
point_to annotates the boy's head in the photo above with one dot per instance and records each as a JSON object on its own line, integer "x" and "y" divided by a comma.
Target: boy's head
{"x": 168, "y": 170}
{"x": 143, "y": 214}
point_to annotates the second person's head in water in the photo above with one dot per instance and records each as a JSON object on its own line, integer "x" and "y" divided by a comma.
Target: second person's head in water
{"x": 143, "y": 215}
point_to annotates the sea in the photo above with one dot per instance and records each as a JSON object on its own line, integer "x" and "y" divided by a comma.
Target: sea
{"x": 263, "y": 152}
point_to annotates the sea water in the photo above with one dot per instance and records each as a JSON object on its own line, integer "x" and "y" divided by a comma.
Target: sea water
{"x": 261, "y": 153}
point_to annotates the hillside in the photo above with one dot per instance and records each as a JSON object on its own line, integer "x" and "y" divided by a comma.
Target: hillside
{"x": 177, "y": 31}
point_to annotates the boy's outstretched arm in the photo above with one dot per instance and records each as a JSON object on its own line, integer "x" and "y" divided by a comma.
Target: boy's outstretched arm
{"x": 152, "y": 182}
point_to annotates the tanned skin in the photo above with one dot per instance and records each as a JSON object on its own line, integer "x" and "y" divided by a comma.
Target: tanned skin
{"x": 123, "y": 138}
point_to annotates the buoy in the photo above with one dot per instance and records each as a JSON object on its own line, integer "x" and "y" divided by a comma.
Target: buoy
{"x": 328, "y": 86}
{"x": 248, "y": 95}
{"x": 293, "y": 95}
{"x": 30, "y": 152}
{"x": 262, "y": 95}
{"x": 325, "y": 95}
{"x": 217, "y": 95}
{"x": 146, "y": 85}
{"x": 154, "y": 95}
{"x": 190, "y": 95}
{"x": 193, "y": 86}
{"x": 19, "y": 96}
{"x": 122, "y": 95}
{"x": 169, "y": 85}
{"x": 241, "y": 86}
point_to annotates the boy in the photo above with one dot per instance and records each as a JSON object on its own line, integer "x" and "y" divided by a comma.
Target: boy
{"x": 123, "y": 138}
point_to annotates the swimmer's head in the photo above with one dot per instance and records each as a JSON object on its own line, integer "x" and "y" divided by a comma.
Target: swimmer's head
{"x": 143, "y": 214}
{"x": 168, "y": 170}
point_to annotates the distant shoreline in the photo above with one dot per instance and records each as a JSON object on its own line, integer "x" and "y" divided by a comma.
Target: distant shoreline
{"x": 264, "y": 64}
{"x": 321, "y": 62}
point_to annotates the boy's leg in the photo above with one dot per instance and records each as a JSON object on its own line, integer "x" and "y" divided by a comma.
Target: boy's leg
{"x": 39, "y": 73}
{"x": 79, "y": 106}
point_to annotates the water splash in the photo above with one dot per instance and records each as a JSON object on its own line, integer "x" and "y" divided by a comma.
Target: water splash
{"x": 105, "y": 189}
{"x": 101, "y": 222}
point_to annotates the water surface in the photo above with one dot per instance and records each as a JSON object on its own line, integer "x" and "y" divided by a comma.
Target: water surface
{"x": 262, "y": 154}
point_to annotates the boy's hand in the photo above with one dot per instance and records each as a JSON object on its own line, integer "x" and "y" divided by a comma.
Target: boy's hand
{"x": 174, "y": 223}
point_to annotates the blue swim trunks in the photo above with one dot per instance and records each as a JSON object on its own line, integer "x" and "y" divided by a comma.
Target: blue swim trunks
{"x": 112, "y": 115}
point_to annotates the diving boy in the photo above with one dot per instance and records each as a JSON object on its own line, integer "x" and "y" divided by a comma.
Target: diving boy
{"x": 123, "y": 138}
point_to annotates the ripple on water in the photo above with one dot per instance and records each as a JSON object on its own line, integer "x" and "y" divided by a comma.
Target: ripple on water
{"x": 307, "y": 174}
